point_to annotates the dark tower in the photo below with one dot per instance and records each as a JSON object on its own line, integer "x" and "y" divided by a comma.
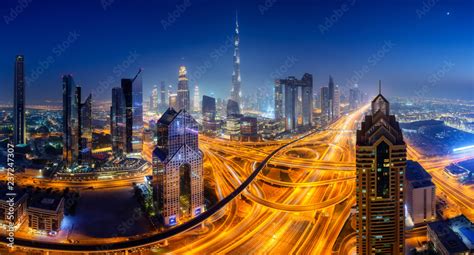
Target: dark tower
{"x": 19, "y": 102}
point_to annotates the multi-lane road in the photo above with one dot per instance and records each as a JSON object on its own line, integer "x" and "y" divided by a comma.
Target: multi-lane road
{"x": 282, "y": 197}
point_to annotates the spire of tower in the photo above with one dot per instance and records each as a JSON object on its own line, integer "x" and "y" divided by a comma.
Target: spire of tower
{"x": 237, "y": 18}
{"x": 380, "y": 87}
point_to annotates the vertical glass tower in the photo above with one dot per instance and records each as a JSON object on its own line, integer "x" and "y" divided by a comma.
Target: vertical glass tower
{"x": 294, "y": 101}
{"x": 19, "y": 102}
{"x": 117, "y": 122}
{"x": 380, "y": 169}
{"x": 71, "y": 120}
{"x": 183, "y": 90}
{"x": 133, "y": 94}
{"x": 178, "y": 186}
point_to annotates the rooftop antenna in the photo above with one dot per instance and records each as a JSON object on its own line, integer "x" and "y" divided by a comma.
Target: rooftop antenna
{"x": 380, "y": 87}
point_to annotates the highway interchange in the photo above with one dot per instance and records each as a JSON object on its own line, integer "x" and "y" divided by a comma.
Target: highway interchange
{"x": 297, "y": 202}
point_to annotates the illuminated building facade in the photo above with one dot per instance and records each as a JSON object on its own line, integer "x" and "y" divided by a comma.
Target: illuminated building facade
{"x": 325, "y": 103}
{"x": 117, "y": 121}
{"x": 46, "y": 212}
{"x": 18, "y": 204}
{"x": 133, "y": 94}
{"x": 380, "y": 169}
{"x": 163, "y": 94}
{"x": 196, "y": 104}
{"x": 86, "y": 129}
{"x": 420, "y": 194}
{"x": 173, "y": 101}
{"x": 183, "y": 100}
{"x": 232, "y": 107}
{"x": 71, "y": 120}
{"x": 154, "y": 100}
{"x": 294, "y": 99}
{"x": 236, "y": 94}
{"x": 249, "y": 129}
{"x": 178, "y": 183}
{"x": 19, "y": 124}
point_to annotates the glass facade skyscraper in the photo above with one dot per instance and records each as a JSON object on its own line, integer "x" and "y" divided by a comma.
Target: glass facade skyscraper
{"x": 71, "y": 120}
{"x": 183, "y": 99}
{"x": 294, "y": 99}
{"x": 133, "y": 94}
{"x": 178, "y": 184}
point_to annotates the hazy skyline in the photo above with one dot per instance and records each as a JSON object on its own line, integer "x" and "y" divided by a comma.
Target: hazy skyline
{"x": 416, "y": 48}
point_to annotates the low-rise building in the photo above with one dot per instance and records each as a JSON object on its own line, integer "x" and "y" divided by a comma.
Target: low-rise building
{"x": 421, "y": 194}
{"x": 454, "y": 236}
{"x": 46, "y": 212}
{"x": 16, "y": 215}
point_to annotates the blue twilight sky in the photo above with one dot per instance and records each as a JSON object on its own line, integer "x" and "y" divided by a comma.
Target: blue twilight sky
{"x": 416, "y": 47}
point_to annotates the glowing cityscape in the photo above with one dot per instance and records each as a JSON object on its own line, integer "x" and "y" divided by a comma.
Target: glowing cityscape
{"x": 237, "y": 127}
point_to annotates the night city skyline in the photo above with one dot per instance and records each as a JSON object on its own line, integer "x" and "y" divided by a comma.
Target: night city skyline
{"x": 145, "y": 127}
{"x": 429, "y": 46}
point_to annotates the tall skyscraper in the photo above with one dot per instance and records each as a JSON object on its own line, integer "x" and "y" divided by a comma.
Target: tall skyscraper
{"x": 183, "y": 90}
{"x": 325, "y": 102}
{"x": 355, "y": 97}
{"x": 334, "y": 100}
{"x": 232, "y": 107}
{"x": 71, "y": 120}
{"x": 279, "y": 101}
{"x": 196, "y": 104}
{"x": 173, "y": 101}
{"x": 86, "y": 128}
{"x": 163, "y": 95}
{"x": 178, "y": 182}
{"x": 380, "y": 170}
{"x": 236, "y": 93}
{"x": 19, "y": 123}
{"x": 154, "y": 100}
{"x": 297, "y": 96}
{"x": 208, "y": 108}
{"x": 336, "y": 108}
{"x": 133, "y": 94}
{"x": 117, "y": 122}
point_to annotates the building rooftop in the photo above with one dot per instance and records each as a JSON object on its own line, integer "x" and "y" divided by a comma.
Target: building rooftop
{"x": 415, "y": 172}
{"x": 46, "y": 201}
{"x": 448, "y": 238}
